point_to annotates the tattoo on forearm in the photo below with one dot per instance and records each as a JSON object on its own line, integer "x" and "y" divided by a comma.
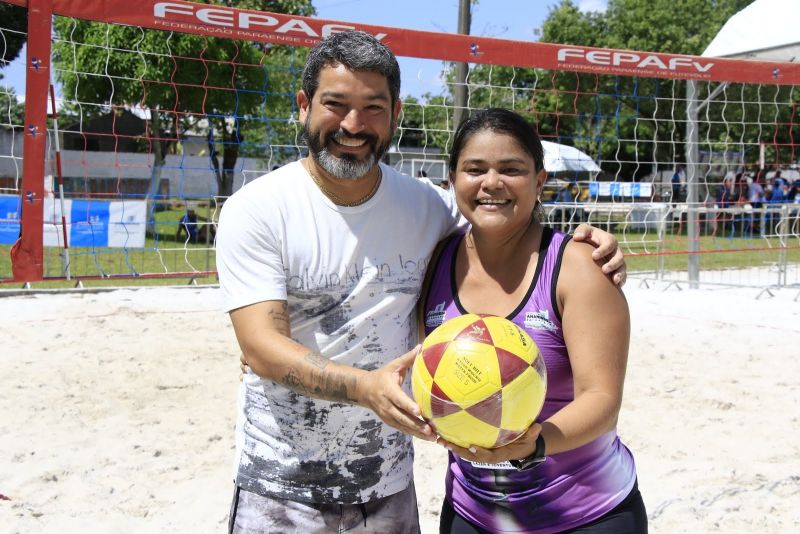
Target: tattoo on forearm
{"x": 317, "y": 360}
{"x": 281, "y": 317}
{"x": 293, "y": 382}
{"x": 320, "y": 383}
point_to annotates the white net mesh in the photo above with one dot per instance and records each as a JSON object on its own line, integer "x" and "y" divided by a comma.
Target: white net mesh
{"x": 157, "y": 126}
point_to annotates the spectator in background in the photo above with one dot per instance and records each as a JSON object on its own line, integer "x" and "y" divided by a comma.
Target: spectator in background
{"x": 778, "y": 181}
{"x": 567, "y": 194}
{"x": 445, "y": 183}
{"x": 727, "y": 194}
{"x": 422, "y": 174}
{"x": 792, "y": 195}
{"x": 729, "y": 197}
{"x": 676, "y": 184}
{"x": 755, "y": 192}
{"x": 196, "y": 228}
{"x": 780, "y": 191}
{"x": 187, "y": 224}
{"x": 778, "y": 195}
{"x": 755, "y": 196}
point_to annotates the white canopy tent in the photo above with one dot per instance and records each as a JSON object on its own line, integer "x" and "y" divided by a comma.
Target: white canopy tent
{"x": 560, "y": 158}
{"x": 765, "y": 30}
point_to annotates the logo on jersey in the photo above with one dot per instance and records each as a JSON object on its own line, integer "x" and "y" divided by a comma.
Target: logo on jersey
{"x": 539, "y": 321}
{"x": 504, "y": 466}
{"x": 435, "y": 317}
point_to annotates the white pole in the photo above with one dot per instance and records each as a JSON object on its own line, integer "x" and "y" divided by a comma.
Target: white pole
{"x": 692, "y": 157}
{"x": 60, "y": 177}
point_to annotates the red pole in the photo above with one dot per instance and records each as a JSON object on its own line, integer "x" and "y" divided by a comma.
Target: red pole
{"x": 27, "y": 253}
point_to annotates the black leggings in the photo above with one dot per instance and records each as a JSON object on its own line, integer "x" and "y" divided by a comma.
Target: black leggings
{"x": 628, "y": 517}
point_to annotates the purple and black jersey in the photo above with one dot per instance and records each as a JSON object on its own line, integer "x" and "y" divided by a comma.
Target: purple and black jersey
{"x": 569, "y": 489}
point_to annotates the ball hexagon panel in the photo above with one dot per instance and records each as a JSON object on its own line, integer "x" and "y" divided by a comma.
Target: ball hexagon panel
{"x": 468, "y": 372}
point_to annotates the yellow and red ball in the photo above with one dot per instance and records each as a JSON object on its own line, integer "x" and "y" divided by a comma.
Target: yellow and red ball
{"x": 479, "y": 380}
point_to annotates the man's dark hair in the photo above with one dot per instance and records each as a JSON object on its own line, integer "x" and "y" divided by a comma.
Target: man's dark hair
{"x": 357, "y": 51}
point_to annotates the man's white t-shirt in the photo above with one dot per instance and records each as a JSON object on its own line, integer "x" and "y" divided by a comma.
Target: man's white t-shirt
{"x": 351, "y": 277}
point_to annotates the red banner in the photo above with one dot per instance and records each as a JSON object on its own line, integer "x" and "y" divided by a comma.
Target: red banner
{"x": 213, "y": 20}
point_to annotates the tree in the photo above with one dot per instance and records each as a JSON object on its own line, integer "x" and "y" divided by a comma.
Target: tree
{"x": 670, "y": 26}
{"x": 15, "y": 22}
{"x": 224, "y": 86}
{"x": 625, "y": 107}
{"x": 12, "y": 111}
{"x": 427, "y": 125}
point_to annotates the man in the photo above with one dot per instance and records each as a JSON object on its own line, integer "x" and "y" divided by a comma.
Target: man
{"x": 321, "y": 263}
{"x": 675, "y": 182}
{"x": 188, "y": 224}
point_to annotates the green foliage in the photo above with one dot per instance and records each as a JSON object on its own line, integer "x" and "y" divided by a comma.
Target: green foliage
{"x": 566, "y": 24}
{"x": 669, "y": 26}
{"x": 647, "y": 113}
{"x": 14, "y": 18}
{"x": 673, "y": 26}
{"x": 595, "y": 113}
{"x": 428, "y": 125}
{"x": 12, "y": 112}
{"x": 241, "y": 91}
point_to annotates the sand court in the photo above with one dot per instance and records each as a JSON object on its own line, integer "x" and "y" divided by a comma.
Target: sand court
{"x": 118, "y": 409}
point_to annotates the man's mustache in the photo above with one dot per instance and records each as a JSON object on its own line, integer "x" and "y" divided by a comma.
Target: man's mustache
{"x": 362, "y": 135}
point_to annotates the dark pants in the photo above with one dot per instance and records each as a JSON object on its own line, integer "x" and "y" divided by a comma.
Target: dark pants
{"x": 628, "y": 517}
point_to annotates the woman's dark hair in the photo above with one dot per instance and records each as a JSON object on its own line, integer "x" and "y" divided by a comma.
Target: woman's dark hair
{"x": 501, "y": 121}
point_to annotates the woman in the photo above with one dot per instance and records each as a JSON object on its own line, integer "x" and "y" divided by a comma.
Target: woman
{"x": 569, "y": 471}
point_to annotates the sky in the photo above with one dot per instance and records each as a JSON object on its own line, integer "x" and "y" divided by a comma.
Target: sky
{"x": 503, "y": 19}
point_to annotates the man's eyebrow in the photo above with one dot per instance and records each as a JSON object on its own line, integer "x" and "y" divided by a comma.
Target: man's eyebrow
{"x": 340, "y": 95}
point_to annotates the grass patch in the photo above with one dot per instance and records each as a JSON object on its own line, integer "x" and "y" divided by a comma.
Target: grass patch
{"x": 715, "y": 253}
{"x": 164, "y": 255}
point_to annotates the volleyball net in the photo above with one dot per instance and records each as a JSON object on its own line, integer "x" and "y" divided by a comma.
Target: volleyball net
{"x": 140, "y": 118}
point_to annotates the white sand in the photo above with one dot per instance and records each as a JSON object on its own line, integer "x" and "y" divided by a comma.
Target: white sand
{"x": 117, "y": 412}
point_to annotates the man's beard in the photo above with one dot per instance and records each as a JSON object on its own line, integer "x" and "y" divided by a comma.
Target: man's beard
{"x": 346, "y": 166}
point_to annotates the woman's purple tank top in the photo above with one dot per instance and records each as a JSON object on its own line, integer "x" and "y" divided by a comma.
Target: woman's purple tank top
{"x": 567, "y": 490}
